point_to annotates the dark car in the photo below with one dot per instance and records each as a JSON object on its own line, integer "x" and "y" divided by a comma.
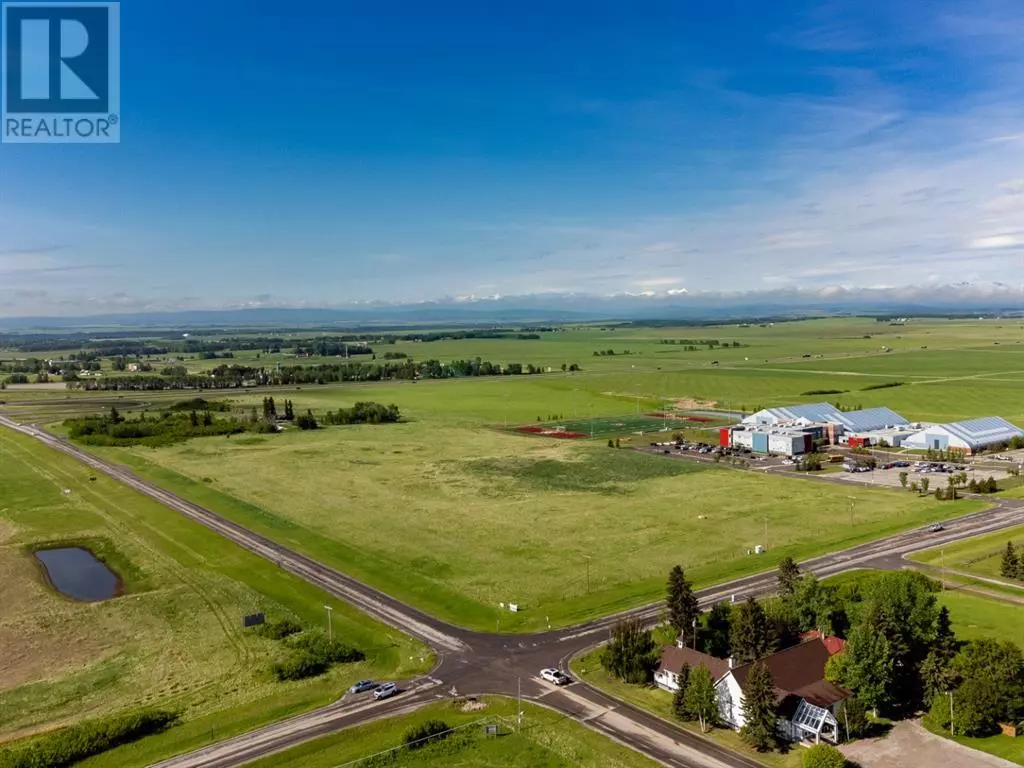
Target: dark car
{"x": 362, "y": 685}
{"x": 937, "y": 528}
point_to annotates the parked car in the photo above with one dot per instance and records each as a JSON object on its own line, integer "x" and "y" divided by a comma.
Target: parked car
{"x": 385, "y": 691}
{"x": 362, "y": 685}
{"x": 555, "y": 676}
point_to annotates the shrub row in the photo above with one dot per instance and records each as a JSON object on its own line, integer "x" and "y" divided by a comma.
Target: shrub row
{"x": 70, "y": 745}
{"x": 312, "y": 654}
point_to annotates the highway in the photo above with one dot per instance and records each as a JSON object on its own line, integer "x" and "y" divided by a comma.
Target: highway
{"x": 474, "y": 663}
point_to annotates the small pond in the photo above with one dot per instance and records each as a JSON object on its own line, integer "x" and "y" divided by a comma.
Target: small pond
{"x": 77, "y": 573}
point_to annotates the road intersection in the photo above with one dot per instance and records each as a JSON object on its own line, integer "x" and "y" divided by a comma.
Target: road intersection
{"x": 478, "y": 663}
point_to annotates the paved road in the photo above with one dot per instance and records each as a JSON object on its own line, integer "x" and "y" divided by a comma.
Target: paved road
{"x": 480, "y": 663}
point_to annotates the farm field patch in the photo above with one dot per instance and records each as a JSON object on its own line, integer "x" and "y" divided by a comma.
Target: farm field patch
{"x": 457, "y": 520}
{"x": 173, "y": 639}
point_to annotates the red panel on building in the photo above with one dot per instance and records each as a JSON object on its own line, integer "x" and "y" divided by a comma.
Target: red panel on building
{"x": 858, "y": 442}
{"x": 724, "y": 437}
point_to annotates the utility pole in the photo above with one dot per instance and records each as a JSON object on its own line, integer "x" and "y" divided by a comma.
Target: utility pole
{"x": 330, "y": 624}
{"x": 952, "y": 730}
{"x": 519, "y": 704}
{"x": 852, "y": 499}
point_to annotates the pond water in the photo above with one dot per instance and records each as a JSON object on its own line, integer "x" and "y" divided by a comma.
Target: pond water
{"x": 77, "y": 573}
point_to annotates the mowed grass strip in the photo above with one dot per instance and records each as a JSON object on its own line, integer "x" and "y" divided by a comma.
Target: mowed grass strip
{"x": 546, "y": 740}
{"x": 980, "y": 555}
{"x": 174, "y": 639}
{"x": 457, "y": 520}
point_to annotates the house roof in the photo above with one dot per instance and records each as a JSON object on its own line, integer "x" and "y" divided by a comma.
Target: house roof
{"x": 978, "y": 433}
{"x": 819, "y": 412}
{"x": 673, "y": 658}
{"x": 870, "y": 418}
{"x": 832, "y": 643}
{"x": 798, "y": 671}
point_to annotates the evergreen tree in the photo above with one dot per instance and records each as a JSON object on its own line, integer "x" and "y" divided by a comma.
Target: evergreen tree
{"x": 1011, "y": 563}
{"x": 207, "y": 419}
{"x": 289, "y": 410}
{"x": 789, "y": 574}
{"x": 700, "y": 700}
{"x": 678, "y": 700}
{"x": 271, "y": 408}
{"x": 193, "y": 419}
{"x": 759, "y": 709}
{"x": 682, "y": 605}
{"x": 751, "y": 635}
{"x": 716, "y": 637}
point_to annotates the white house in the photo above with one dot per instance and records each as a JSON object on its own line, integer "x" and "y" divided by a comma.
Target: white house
{"x": 806, "y": 703}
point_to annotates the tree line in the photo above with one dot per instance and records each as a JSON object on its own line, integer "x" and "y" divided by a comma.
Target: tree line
{"x": 235, "y": 376}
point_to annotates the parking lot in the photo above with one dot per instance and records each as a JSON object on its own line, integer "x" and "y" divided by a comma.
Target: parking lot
{"x": 936, "y": 479}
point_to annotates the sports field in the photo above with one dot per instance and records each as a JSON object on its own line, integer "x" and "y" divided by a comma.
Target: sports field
{"x": 173, "y": 640}
{"x": 457, "y": 520}
{"x": 544, "y": 740}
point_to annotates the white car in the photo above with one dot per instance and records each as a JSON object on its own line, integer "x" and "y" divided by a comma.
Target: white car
{"x": 385, "y": 691}
{"x": 555, "y": 676}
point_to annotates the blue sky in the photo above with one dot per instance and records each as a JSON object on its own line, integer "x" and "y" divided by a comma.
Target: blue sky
{"x": 324, "y": 153}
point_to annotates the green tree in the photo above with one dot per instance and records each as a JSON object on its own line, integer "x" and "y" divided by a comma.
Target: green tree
{"x": 925, "y": 482}
{"x": 193, "y": 419}
{"x": 992, "y": 690}
{"x": 789, "y": 575}
{"x": 716, "y": 637}
{"x": 631, "y": 654}
{"x": 1010, "y": 565}
{"x": 852, "y": 717}
{"x": 865, "y": 667}
{"x": 759, "y": 717}
{"x": 937, "y": 675}
{"x": 701, "y": 699}
{"x": 679, "y": 698}
{"x": 751, "y": 633}
{"x": 902, "y": 609}
{"x": 818, "y": 605}
{"x": 682, "y": 605}
{"x": 823, "y": 756}
{"x": 903, "y": 479}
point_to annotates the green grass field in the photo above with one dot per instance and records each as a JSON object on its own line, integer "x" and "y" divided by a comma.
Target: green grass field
{"x": 457, "y": 520}
{"x": 174, "y": 639}
{"x": 980, "y": 555}
{"x": 546, "y": 740}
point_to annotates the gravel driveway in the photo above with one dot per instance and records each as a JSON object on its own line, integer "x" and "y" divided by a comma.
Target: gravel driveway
{"x": 909, "y": 745}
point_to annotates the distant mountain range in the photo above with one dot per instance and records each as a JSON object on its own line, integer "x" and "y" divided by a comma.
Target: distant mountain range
{"x": 960, "y": 300}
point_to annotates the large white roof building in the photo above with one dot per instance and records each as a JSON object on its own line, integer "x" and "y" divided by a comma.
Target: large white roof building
{"x": 825, "y": 413}
{"x": 970, "y": 436}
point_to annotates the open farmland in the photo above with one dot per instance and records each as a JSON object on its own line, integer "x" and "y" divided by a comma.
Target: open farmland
{"x": 457, "y": 520}
{"x": 174, "y": 639}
